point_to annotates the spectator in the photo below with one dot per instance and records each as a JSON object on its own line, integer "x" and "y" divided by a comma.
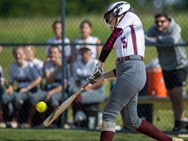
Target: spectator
{"x": 1, "y": 83}
{"x": 85, "y": 30}
{"x": 1, "y": 78}
{"x": 30, "y": 57}
{"x": 1, "y": 93}
{"x": 53, "y": 76}
{"x": 173, "y": 61}
{"x": 1, "y": 88}
{"x": 28, "y": 81}
{"x": 86, "y": 104}
{"x": 57, "y": 29}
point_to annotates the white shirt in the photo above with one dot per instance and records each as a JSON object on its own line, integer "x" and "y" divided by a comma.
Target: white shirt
{"x": 38, "y": 64}
{"x": 67, "y": 48}
{"x": 89, "y": 40}
{"x": 83, "y": 71}
{"x": 132, "y": 40}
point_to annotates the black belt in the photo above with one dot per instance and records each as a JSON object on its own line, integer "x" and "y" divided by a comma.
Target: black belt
{"x": 131, "y": 57}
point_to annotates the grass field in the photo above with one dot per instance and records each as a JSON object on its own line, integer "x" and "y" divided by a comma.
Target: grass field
{"x": 64, "y": 135}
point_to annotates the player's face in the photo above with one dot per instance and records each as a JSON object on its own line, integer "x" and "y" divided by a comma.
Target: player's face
{"x": 111, "y": 20}
{"x": 29, "y": 53}
{"x": 58, "y": 30}
{"x": 86, "y": 55}
{"x": 85, "y": 30}
{"x": 162, "y": 23}
{"x": 19, "y": 56}
{"x": 54, "y": 53}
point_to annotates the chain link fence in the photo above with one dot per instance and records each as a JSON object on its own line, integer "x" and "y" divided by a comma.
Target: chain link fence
{"x": 25, "y": 23}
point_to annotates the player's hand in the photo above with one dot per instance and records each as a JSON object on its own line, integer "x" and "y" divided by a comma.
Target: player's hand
{"x": 9, "y": 90}
{"x": 92, "y": 80}
{"x": 98, "y": 71}
{"x": 24, "y": 90}
{"x": 48, "y": 95}
{"x": 58, "y": 62}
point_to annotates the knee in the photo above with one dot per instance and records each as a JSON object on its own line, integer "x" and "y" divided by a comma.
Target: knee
{"x": 133, "y": 123}
{"x": 107, "y": 116}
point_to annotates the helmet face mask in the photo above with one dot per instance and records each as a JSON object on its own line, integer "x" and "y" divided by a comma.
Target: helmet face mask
{"x": 116, "y": 10}
{"x": 109, "y": 19}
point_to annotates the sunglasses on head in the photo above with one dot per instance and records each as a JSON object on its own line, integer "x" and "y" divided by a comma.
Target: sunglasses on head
{"x": 160, "y": 21}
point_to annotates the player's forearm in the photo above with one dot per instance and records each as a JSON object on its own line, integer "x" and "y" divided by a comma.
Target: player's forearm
{"x": 35, "y": 83}
{"x": 150, "y": 40}
{"x": 110, "y": 74}
{"x": 56, "y": 90}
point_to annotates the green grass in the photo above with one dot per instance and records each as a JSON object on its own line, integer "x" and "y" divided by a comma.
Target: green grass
{"x": 64, "y": 135}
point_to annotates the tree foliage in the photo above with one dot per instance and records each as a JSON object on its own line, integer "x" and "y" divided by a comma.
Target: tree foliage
{"x": 27, "y": 8}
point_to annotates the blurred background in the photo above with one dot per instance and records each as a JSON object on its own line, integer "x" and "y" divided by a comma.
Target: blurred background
{"x": 25, "y": 22}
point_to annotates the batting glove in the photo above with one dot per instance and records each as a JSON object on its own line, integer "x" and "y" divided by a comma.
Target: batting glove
{"x": 97, "y": 74}
{"x": 92, "y": 80}
{"x": 98, "y": 71}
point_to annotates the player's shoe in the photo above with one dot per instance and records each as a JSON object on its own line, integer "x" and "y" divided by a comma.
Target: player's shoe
{"x": 3, "y": 125}
{"x": 177, "y": 139}
{"x": 12, "y": 124}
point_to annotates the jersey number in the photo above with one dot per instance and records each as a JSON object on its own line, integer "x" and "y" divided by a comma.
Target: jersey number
{"x": 124, "y": 42}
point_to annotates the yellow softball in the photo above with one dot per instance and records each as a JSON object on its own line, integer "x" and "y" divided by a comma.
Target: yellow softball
{"x": 41, "y": 106}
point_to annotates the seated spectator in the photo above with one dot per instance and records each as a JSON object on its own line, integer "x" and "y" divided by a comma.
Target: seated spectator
{"x": 30, "y": 57}
{"x": 57, "y": 29}
{"x": 85, "y": 107}
{"x": 1, "y": 83}
{"x": 85, "y": 30}
{"x": 53, "y": 77}
{"x": 1, "y": 88}
{"x": 1, "y": 78}
{"x": 2, "y": 125}
{"x": 28, "y": 82}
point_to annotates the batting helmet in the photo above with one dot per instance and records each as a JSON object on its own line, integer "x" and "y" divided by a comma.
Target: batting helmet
{"x": 117, "y": 9}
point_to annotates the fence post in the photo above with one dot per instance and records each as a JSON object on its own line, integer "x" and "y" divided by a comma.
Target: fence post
{"x": 63, "y": 56}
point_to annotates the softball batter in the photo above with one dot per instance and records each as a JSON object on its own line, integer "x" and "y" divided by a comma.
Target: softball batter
{"x": 127, "y": 39}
